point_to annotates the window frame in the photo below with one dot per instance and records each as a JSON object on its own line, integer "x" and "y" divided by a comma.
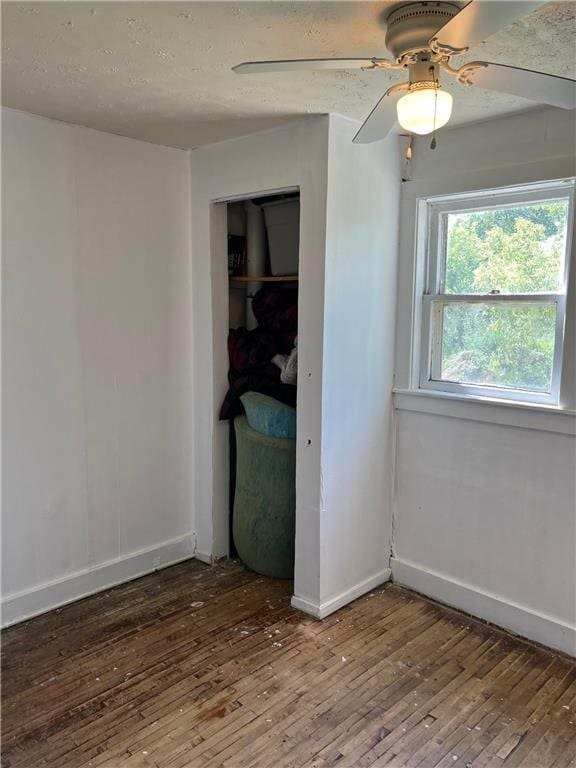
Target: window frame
{"x": 431, "y": 238}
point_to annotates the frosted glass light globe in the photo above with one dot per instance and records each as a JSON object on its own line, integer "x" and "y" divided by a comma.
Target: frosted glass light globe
{"x": 424, "y": 110}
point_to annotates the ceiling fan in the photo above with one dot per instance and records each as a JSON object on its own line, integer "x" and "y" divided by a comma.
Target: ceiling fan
{"x": 423, "y": 37}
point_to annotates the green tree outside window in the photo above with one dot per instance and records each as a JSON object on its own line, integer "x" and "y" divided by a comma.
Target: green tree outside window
{"x": 514, "y": 250}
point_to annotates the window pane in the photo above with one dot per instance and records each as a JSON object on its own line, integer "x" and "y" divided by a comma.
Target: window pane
{"x": 511, "y": 250}
{"x": 498, "y": 345}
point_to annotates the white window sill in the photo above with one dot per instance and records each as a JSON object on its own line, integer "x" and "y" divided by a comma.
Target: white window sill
{"x": 544, "y": 418}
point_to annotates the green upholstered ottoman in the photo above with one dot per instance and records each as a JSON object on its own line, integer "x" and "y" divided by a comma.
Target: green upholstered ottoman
{"x": 265, "y": 501}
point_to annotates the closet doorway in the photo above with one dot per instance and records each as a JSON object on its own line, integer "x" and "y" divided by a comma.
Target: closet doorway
{"x": 257, "y": 349}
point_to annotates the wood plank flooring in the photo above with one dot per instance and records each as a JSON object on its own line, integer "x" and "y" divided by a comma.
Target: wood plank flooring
{"x": 198, "y": 666}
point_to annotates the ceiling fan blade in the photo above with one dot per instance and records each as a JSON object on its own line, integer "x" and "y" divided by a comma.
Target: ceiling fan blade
{"x": 480, "y": 19}
{"x": 536, "y": 86}
{"x": 382, "y": 119}
{"x": 254, "y": 67}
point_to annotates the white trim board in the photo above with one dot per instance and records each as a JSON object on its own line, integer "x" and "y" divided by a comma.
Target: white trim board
{"x": 325, "y": 609}
{"x": 512, "y": 414}
{"x": 19, "y": 606}
{"x": 204, "y": 557}
{"x": 519, "y": 619}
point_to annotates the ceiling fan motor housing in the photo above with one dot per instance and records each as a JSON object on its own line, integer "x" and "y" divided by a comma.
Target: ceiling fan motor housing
{"x": 411, "y": 26}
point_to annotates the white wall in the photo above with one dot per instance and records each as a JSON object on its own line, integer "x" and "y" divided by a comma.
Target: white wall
{"x": 293, "y": 156}
{"x": 358, "y": 362}
{"x": 111, "y": 442}
{"x": 348, "y": 237}
{"x": 97, "y": 459}
{"x": 484, "y": 511}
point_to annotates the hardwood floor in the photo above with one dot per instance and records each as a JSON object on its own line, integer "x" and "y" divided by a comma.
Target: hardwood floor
{"x": 199, "y": 666}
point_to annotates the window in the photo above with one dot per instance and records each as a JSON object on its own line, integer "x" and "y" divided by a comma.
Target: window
{"x": 493, "y": 309}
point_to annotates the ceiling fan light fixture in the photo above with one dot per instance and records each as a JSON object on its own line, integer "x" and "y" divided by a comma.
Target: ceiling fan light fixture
{"x": 424, "y": 109}
{"x": 423, "y": 37}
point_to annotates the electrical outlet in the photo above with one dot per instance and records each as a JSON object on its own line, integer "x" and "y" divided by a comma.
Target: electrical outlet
{"x": 156, "y": 562}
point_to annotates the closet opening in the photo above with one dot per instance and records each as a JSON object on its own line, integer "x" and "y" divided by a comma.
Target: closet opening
{"x": 263, "y": 236}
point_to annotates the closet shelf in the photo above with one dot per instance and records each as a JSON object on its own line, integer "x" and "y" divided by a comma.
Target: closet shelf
{"x": 265, "y": 279}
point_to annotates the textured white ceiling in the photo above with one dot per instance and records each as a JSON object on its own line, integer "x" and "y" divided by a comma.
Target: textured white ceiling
{"x": 160, "y": 71}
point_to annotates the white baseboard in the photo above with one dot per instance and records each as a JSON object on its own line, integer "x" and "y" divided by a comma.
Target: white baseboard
{"x": 19, "y": 606}
{"x": 320, "y": 611}
{"x": 519, "y": 619}
{"x": 204, "y": 557}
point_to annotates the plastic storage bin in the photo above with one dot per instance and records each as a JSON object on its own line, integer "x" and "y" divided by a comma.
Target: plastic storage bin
{"x": 283, "y": 226}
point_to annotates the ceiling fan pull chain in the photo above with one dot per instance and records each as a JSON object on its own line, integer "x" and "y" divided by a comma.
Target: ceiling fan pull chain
{"x": 436, "y": 86}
